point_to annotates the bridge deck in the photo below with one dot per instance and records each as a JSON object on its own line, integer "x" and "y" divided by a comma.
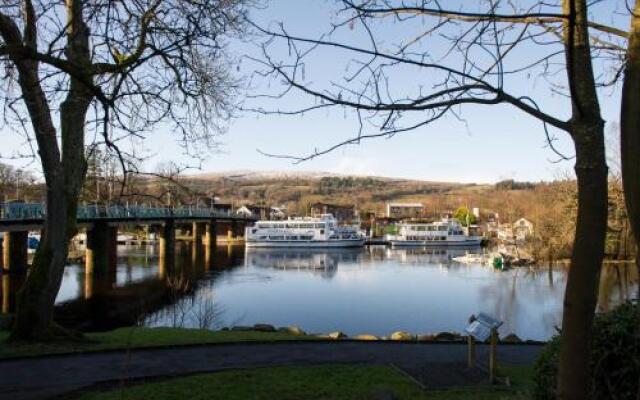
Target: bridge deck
{"x": 14, "y": 215}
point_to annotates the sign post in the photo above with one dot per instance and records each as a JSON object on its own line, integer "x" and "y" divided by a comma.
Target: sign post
{"x": 481, "y": 328}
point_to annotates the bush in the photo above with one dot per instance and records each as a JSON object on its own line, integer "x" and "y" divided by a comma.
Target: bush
{"x": 615, "y": 358}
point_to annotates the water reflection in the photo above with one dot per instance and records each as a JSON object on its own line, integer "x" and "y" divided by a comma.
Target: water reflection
{"x": 321, "y": 261}
{"x": 372, "y": 290}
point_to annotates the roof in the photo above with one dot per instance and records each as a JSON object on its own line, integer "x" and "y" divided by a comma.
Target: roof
{"x": 319, "y": 203}
{"x": 405, "y": 205}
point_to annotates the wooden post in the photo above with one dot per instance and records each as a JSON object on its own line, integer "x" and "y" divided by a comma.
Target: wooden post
{"x": 471, "y": 352}
{"x": 493, "y": 359}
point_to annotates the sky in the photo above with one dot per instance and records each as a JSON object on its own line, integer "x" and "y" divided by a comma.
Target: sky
{"x": 491, "y": 144}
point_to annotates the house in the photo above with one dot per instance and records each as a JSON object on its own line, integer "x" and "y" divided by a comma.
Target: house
{"x": 404, "y": 210}
{"x": 519, "y": 231}
{"x": 343, "y": 213}
{"x": 262, "y": 212}
{"x": 522, "y": 229}
{"x": 279, "y": 212}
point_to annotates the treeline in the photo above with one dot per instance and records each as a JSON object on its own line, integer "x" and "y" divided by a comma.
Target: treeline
{"x": 332, "y": 184}
{"x": 19, "y": 185}
{"x": 510, "y": 184}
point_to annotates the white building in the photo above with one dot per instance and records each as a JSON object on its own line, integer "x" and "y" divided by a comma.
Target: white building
{"x": 404, "y": 210}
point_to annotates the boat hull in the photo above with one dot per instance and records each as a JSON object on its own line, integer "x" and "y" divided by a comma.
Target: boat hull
{"x": 425, "y": 243}
{"x": 305, "y": 243}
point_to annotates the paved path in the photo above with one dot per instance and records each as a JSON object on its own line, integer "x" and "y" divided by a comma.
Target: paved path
{"x": 52, "y": 376}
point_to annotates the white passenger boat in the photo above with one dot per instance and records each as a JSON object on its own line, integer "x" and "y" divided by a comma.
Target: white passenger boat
{"x": 447, "y": 232}
{"x": 303, "y": 232}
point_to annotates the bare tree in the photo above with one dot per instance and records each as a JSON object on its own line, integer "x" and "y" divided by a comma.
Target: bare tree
{"x": 484, "y": 50}
{"x": 630, "y": 138}
{"x": 110, "y": 72}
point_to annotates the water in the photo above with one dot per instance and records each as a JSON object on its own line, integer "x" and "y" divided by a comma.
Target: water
{"x": 374, "y": 290}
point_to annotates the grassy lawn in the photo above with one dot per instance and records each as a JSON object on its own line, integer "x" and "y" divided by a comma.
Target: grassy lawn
{"x": 139, "y": 337}
{"x": 319, "y": 382}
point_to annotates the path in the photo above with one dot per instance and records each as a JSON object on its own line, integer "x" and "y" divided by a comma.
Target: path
{"x": 52, "y": 376}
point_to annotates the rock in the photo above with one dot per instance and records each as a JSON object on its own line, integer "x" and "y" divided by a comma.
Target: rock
{"x": 448, "y": 336}
{"x": 511, "y": 338}
{"x": 336, "y": 335}
{"x": 426, "y": 338}
{"x": 401, "y": 335}
{"x": 241, "y": 328}
{"x": 264, "y": 328}
{"x": 293, "y": 330}
{"x": 367, "y": 337}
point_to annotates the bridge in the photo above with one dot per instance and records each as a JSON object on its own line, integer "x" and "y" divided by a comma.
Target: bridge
{"x": 101, "y": 223}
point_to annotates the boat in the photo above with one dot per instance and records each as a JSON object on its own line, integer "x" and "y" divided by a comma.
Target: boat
{"x": 447, "y": 232}
{"x": 322, "y": 231}
{"x": 33, "y": 240}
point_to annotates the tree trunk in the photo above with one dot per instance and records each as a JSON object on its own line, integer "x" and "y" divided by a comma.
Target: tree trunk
{"x": 587, "y": 130}
{"x": 630, "y": 139}
{"x": 64, "y": 177}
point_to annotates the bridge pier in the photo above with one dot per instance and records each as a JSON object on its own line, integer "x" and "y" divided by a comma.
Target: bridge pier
{"x": 211, "y": 243}
{"x": 198, "y": 231}
{"x": 14, "y": 251}
{"x": 102, "y": 248}
{"x": 167, "y": 248}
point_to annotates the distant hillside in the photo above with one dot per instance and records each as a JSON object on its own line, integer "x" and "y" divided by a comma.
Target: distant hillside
{"x": 297, "y": 190}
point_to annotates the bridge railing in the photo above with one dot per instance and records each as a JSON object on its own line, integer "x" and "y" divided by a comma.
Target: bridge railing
{"x": 21, "y": 211}
{"x": 36, "y": 211}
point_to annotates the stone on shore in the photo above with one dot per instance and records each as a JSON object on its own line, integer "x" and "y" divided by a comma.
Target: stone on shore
{"x": 448, "y": 336}
{"x": 511, "y": 338}
{"x": 426, "y": 338}
{"x": 294, "y": 330}
{"x": 366, "y": 337}
{"x": 264, "y": 328}
{"x": 401, "y": 335}
{"x": 336, "y": 335}
{"x": 241, "y": 328}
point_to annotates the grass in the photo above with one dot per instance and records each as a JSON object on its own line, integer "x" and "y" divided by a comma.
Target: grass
{"x": 339, "y": 382}
{"x": 125, "y": 338}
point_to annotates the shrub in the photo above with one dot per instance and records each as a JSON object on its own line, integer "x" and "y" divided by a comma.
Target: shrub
{"x": 615, "y": 358}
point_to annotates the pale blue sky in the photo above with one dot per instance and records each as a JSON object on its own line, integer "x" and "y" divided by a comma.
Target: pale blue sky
{"x": 497, "y": 142}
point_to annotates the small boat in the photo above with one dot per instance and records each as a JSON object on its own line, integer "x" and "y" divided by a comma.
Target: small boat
{"x": 447, "y": 232}
{"x": 33, "y": 240}
{"x": 322, "y": 231}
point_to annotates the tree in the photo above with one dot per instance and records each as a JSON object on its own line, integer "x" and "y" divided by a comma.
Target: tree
{"x": 464, "y": 216}
{"x": 630, "y": 137}
{"x": 109, "y": 72}
{"x": 474, "y": 70}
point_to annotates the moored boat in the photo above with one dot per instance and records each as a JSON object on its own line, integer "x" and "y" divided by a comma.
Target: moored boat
{"x": 447, "y": 232}
{"x": 322, "y": 231}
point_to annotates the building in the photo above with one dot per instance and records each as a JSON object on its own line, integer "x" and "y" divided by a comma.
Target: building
{"x": 519, "y": 231}
{"x": 522, "y": 229}
{"x": 262, "y": 212}
{"x": 343, "y": 213}
{"x": 404, "y": 210}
